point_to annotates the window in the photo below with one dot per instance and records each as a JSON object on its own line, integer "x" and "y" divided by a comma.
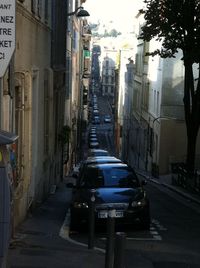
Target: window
{"x": 39, "y": 8}
{"x": 68, "y": 76}
{"x": 75, "y": 40}
{"x": 108, "y": 177}
{"x": 151, "y": 144}
{"x": 154, "y": 101}
{"x": 33, "y": 6}
{"x": 36, "y": 7}
{"x": 138, "y": 63}
{"x": 157, "y": 104}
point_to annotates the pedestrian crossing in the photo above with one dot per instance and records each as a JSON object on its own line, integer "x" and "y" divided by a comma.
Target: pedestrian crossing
{"x": 153, "y": 234}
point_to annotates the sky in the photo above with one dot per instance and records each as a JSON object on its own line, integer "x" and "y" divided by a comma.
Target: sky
{"x": 120, "y": 12}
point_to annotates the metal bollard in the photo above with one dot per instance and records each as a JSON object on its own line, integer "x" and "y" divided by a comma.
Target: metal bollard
{"x": 120, "y": 245}
{"x": 109, "y": 259}
{"x": 91, "y": 220}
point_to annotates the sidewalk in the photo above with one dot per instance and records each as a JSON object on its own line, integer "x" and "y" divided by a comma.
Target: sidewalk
{"x": 37, "y": 243}
{"x": 166, "y": 181}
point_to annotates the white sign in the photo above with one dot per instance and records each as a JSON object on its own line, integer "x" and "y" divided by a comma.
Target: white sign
{"x": 7, "y": 33}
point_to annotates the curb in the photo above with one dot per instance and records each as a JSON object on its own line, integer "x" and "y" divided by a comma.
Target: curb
{"x": 174, "y": 189}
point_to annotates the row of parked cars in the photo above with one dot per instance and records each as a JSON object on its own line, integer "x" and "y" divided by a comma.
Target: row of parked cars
{"x": 92, "y": 138}
{"x": 95, "y": 110}
{"x": 95, "y": 115}
{"x": 113, "y": 185}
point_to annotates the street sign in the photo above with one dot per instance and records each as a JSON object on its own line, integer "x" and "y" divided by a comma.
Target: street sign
{"x": 7, "y": 33}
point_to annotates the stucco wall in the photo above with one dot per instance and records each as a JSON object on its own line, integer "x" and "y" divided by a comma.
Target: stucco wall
{"x": 32, "y": 60}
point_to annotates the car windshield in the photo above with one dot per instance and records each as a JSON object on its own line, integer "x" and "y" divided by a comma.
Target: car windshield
{"x": 93, "y": 177}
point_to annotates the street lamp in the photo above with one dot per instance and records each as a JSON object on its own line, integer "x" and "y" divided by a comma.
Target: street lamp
{"x": 79, "y": 13}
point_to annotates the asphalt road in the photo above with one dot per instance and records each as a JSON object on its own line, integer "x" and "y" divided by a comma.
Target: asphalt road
{"x": 174, "y": 237}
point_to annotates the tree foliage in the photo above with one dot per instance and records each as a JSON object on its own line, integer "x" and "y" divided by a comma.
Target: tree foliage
{"x": 176, "y": 23}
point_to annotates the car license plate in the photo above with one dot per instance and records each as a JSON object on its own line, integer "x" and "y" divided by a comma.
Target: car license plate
{"x": 119, "y": 214}
{"x": 104, "y": 214}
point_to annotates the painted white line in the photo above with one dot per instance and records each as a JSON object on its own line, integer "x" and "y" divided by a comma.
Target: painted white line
{"x": 64, "y": 233}
{"x": 155, "y": 221}
{"x": 154, "y": 232}
{"x": 163, "y": 228}
{"x": 155, "y": 238}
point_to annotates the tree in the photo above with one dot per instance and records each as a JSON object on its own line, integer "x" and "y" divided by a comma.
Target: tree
{"x": 113, "y": 33}
{"x": 176, "y": 23}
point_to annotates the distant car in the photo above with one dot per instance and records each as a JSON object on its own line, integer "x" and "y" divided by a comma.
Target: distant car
{"x": 95, "y": 112}
{"x": 114, "y": 185}
{"x": 92, "y": 135}
{"x": 93, "y": 139}
{"x": 97, "y": 152}
{"x": 107, "y": 118}
{"x": 92, "y": 131}
{"x": 101, "y": 160}
{"x": 96, "y": 120}
{"x": 93, "y": 144}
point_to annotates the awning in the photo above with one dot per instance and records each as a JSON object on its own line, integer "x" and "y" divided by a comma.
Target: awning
{"x": 7, "y": 137}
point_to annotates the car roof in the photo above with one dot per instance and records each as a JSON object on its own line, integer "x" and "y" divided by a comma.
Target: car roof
{"x": 98, "y": 150}
{"x": 105, "y": 159}
{"x": 109, "y": 165}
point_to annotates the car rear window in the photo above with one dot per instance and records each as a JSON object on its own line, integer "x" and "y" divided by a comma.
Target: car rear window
{"x": 109, "y": 177}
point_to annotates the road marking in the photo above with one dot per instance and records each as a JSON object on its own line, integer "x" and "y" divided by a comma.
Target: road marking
{"x": 64, "y": 233}
{"x": 158, "y": 225}
{"x": 153, "y": 232}
{"x": 155, "y": 238}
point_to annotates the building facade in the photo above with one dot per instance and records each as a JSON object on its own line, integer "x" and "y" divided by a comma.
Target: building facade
{"x": 157, "y": 136}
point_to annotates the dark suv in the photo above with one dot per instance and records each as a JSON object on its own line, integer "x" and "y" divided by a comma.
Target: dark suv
{"x": 116, "y": 186}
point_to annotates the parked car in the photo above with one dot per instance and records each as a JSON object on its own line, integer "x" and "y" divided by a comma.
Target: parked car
{"x": 107, "y": 118}
{"x": 93, "y": 139}
{"x": 93, "y": 144}
{"x": 115, "y": 185}
{"x": 92, "y": 135}
{"x": 98, "y": 152}
{"x": 96, "y": 120}
{"x": 92, "y": 131}
{"x": 95, "y": 112}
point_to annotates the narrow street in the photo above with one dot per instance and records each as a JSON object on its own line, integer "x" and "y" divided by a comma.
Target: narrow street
{"x": 174, "y": 237}
{"x": 173, "y": 240}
